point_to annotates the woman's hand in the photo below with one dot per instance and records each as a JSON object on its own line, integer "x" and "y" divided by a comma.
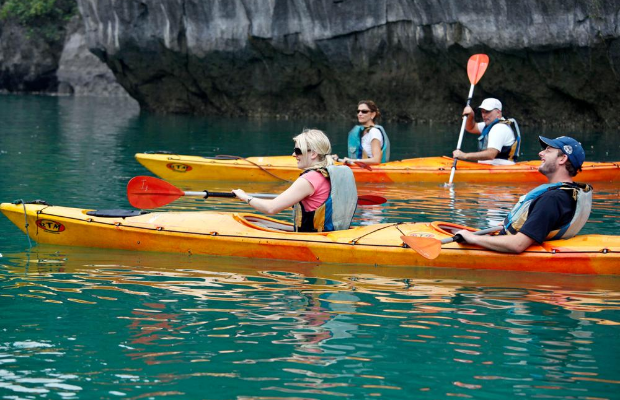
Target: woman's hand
{"x": 348, "y": 160}
{"x": 241, "y": 195}
{"x": 334, "y": 157}
{"x": 299, "y": 190}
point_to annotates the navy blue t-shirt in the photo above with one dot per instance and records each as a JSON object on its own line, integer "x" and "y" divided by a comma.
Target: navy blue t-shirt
{"x": 551, "y": 210}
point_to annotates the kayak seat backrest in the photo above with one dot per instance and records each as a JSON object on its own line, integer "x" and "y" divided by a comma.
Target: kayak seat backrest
{"x": 268, "y": 224}
{"x": 116, "y": 213}
{"x": 448, "y": 227}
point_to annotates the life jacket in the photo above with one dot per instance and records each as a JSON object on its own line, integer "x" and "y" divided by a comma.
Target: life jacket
{"x": 581, "y": 192}
{"x": 337, "y": 211}
{"x": 355, "y": 143}
{"x": 510, "y": 153}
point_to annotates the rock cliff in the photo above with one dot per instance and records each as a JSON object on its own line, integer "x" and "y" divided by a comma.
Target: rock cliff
{"x": 552, "y": 61}
{"x": 80, "y": 72}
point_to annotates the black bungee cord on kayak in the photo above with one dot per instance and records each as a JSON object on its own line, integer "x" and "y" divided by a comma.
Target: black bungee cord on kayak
{"x": 227, "y": 157}
{"x": 23, "y": 203}
{"x": 357, "y": 239}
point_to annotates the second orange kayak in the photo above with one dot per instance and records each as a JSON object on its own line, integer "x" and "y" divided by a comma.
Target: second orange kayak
{"x": 429, "y": 169}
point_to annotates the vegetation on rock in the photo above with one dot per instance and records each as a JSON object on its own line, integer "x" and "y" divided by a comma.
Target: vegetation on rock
{"x": 46, "y": 18}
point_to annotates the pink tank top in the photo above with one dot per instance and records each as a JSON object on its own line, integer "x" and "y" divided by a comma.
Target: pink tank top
{"x": 321, "y": 187}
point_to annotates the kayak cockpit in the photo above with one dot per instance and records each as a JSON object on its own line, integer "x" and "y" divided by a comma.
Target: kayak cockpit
{"x": 267, "y": 224}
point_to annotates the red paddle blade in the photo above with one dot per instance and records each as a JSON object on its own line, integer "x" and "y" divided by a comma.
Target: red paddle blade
{"x": 148, "y": 192}
{"x": 370, "y": 200}
{"x": 476, "y": 66}
{"x": 426, "y": 247}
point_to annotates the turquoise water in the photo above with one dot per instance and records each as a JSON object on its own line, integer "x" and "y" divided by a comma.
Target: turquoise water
{"x": 88, "y": 323}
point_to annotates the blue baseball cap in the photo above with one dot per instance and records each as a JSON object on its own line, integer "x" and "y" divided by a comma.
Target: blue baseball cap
{"x": 569, "y": 146}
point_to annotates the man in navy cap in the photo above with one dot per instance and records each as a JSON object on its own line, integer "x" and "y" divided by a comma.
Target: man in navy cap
{"x": 499, "y": 142}
{"x": 556, "y": 210}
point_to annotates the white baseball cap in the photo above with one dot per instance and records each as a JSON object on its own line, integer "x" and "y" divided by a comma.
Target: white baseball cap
{"x": 491, "y": 104}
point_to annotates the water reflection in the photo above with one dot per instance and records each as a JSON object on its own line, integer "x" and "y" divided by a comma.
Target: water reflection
{"x": 139, "y": 324}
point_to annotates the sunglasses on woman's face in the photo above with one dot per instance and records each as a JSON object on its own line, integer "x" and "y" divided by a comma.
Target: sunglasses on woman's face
{"x": 297, "y": 151}
{"x": 363, "y": 111}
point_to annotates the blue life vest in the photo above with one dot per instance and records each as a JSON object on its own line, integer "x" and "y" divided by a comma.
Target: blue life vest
{"x": 337, "y": 212}
{"x": 355, "y": 143}
{"x": 510, "y": 153}
{"x": 580, "y": 191}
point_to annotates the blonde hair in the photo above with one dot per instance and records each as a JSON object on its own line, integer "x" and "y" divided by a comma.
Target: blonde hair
{"x": 315, "y": 140}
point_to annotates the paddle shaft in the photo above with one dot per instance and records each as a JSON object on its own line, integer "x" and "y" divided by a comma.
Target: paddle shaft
{"x": 461, "y": 134}
{"x": 459, "y": 238}
{"x": 206, "y": 194}
{"x": 149, "y": 192}
{"x": 362, "y": 200}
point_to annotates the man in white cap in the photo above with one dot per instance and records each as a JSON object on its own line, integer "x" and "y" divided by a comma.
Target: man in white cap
{"x": 499, "y": 142}
{"x": 555, "y": 210}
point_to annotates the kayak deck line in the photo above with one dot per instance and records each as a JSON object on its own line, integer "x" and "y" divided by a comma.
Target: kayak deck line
{"x": 236, "y": 234}
{"x": 426, "y": 169}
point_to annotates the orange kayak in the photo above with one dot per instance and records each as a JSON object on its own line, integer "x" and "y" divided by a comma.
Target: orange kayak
{"x": 254, "y": 236}
{"x": 430, "y": 169}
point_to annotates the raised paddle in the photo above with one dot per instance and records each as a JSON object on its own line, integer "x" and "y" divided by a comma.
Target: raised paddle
{"x": 431, "y": 247}
{"x": 148, "y": 192}
{"x": 476, "y": 66}
{"x": 358, "y": 163}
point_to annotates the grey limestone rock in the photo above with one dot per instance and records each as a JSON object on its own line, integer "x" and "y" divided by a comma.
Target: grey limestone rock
{"x": 552, "y": 61}
{"x": 80, "y": 72}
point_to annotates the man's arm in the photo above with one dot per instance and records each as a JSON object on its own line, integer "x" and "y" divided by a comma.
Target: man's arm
{"x": 502, "y": 243}
{"x": 487, "y": 154}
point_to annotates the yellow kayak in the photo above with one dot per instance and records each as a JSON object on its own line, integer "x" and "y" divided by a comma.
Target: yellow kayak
{"x": 430, "y": 169}
{"x": 254, "y": 236}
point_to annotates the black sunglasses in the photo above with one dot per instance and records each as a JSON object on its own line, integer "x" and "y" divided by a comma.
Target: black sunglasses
{"x": 363, "y": 111}
{"x": 297, "y": 151}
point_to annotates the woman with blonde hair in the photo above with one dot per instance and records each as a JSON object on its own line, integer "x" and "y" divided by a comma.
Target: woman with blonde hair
{"x": 324, "y": 196}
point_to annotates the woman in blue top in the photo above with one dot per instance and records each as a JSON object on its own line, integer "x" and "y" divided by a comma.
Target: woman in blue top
{"x": 368, "y": 142}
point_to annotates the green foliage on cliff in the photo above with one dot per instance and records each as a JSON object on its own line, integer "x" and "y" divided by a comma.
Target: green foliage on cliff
{"x": 42, "y": 17}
